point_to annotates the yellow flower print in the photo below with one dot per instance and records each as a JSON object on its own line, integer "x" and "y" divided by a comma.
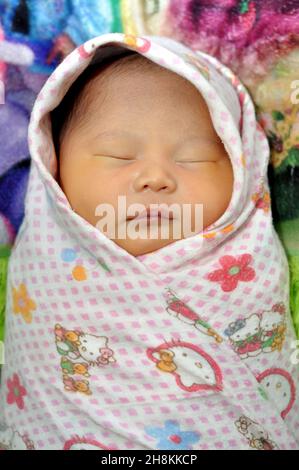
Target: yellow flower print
{"x": 228, "y": 228}
{"x": 243, "y": 160}
{"x": 130, "y": 39}
{"x": 22, "y": 303}
{"x": 140, "y": 44}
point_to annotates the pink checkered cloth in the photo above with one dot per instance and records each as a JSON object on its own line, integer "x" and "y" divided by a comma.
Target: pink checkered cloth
{"x": 188, "y": 347}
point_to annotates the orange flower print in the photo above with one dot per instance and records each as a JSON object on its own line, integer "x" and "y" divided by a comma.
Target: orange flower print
{"x": 228, "y": 229}
{"x": 79, "y": 273}
{"x": 22, "y": 303}
{"x": 233, "y": 270}
{"x": 210, "y": 235}
{"x": 262, "y": 202}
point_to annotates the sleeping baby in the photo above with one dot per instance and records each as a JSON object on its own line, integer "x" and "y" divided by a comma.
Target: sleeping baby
{"x": 148, "y": 292}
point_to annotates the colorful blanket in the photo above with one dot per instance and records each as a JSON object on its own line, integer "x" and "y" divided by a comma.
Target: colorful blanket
{"x": 258, "y": 40}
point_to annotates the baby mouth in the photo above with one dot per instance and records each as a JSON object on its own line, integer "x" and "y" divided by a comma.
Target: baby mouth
{"x": 152, "y": 214}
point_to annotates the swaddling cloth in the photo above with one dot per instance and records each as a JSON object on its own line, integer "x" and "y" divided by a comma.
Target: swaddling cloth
{"x": 187, "y": 347}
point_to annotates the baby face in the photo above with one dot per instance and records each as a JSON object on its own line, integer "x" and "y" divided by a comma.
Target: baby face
{"x": 151, "y": 139}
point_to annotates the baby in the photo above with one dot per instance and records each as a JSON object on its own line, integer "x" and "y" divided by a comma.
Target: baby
{"x": 134, "y": 111}
{"x": 117, "y": 341}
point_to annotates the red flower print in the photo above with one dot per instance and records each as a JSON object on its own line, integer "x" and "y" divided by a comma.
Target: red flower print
{"x": 233, "y": 270}
{"x": 279, "y": 308}
{"x": 16, "y": 392}
{"x": 262, "y": 201}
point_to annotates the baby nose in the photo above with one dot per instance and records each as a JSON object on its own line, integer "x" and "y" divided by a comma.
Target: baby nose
{"x": 154, "y": 179}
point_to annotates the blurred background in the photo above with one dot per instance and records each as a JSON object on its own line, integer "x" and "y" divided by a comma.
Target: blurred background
{"x": 257, "y": 39}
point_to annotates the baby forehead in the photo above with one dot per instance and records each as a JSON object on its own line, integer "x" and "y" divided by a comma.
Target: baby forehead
{"x": 133, "y": 81}
{"x": 138, "y": 112}
{"x": 131, "y": 88}
{"x": 143, "y": 92}
{"x": 133, "y": 72}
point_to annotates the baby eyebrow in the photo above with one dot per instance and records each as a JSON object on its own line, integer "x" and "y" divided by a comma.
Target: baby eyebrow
{"x": 200, "y": 138}
{"x": 124, "y": 133}
{"x": 114, "y": 133}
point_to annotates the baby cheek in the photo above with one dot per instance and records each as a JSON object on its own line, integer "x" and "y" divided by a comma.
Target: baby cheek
{"x": 221, "y": 192}
{"x": 213, "y": 190}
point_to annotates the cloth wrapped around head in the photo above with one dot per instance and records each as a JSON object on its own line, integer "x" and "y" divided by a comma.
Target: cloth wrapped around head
{"x": 186, "y": 347}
